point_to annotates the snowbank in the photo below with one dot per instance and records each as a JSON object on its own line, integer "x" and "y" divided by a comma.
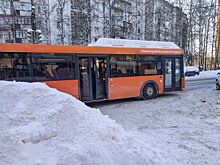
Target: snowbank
{"x": 41, "y": 126}
{"x": 191, "y": 68}
{"x": 204, "y": 75}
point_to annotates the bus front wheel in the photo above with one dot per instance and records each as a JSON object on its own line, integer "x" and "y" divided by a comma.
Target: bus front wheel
{"x": 149, "y": 92}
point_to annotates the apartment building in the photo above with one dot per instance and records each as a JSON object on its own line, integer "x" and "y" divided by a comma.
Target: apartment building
{"x": 15, "y": 20}
{"x": 165, "y": 22}
{"x": 81, "y": 22}
{"x": 107, "y": 18}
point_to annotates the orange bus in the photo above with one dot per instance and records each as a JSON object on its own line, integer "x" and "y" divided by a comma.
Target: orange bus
{"x": 92, "y": 73}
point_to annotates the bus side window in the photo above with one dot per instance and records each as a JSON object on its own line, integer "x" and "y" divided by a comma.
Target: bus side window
{"x": 15, "y": 66}
{"x": 150, "y": 68}
{"x": 65, "y": 71}
{"x": 53, "y": 69}
{"x": 123, "y": 66}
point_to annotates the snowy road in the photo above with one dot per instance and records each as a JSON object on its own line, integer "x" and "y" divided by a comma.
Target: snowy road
{"x": 199, "y": 84}
{"x": 184, "y": 126}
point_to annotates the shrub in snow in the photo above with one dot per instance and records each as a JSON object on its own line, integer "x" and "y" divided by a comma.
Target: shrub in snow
{"x": 41, "y": 126}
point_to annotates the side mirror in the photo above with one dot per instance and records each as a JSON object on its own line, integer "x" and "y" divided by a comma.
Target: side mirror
{"x": 218, "y": 74}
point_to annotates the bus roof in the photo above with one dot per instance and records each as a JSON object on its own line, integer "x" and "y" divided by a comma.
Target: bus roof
{"x": 40, "y": 48}
{"x": 111, "y": 42}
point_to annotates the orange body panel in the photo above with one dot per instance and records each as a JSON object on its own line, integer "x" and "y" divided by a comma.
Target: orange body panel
{"x": 8, "y": 47}
{"x": 183, "y": 83}
{"x": 67, "y": 86}
{"x": 125, "y": 87}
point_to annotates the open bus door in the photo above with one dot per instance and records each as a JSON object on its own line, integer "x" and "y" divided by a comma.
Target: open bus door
{"x": 93, "y": 77}
{"x": 173, "y": 69}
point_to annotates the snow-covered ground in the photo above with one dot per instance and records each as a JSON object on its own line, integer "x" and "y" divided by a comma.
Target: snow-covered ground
{"x": 204, "y": 75}
{"x": 183, "y": 127}
{"x": 41, "y": 126}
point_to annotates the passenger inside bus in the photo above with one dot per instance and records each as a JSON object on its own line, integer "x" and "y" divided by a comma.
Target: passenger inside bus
{"x": 102, "y": 71}
{"x": 64, "y": 72}
{"x": 20, "y": 62}
{"x": 42, "y": 72}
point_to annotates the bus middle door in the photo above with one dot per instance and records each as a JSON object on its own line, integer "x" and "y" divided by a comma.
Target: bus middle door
{"x": 92, "y": 78}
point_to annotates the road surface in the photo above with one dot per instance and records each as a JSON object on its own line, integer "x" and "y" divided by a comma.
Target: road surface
{"x": 183, "y": 126}
{"x": 198, "y": 84}
{"x": 190, "y": 86}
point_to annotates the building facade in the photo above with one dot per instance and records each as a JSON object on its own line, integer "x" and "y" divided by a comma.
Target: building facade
{"x": 81, "y": 22}
{"x": 121, "y": 19}
{"x": 15, "y": 20}
{"x": 165, "y": 22}
{"x": 53, "y": 18}
{"x": 106, "y": 18}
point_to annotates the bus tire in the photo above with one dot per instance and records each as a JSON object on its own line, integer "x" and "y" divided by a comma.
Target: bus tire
{"x": 149, "y": 91}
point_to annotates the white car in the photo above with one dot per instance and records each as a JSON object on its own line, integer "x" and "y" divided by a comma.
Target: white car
{"x": 218, "y": 81}
{"x": 191, "y": 71}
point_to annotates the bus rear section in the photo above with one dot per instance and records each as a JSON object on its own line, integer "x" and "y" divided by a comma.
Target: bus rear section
{"x": 144, "y": 76}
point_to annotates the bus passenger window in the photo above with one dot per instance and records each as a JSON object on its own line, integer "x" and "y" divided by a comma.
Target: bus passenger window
{"x": 64, "y": 71}
{"x": 54, "y": 68}
{"x": 150, "y": 68}
{"x": 122, "y": 66}
{"x": 15, "y": 66}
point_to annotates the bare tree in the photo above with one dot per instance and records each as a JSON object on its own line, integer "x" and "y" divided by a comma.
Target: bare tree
{"x": 43, "y": 14}
{"x": 81, "y": 22}
{"x": 61, "y": 4}
{"x": 8, "y": 17}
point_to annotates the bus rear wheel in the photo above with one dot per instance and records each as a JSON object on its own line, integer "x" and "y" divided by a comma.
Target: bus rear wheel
{"x": 149, "y": 92}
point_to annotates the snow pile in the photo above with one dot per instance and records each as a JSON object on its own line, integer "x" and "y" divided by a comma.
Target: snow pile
{"x": 41, "y": 126}
{"x": 205, "y": 75}
{"x": 191, "y": 68}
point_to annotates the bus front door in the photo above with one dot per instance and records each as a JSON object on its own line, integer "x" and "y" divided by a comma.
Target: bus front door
{"x": 92, "y": 78}
{"x": 172, "y": 73}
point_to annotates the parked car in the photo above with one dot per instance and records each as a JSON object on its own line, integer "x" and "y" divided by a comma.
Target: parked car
{"x": 218, "y": 81}
{"x": 191, "y": 71}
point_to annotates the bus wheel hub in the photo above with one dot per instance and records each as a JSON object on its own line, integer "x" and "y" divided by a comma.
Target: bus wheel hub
{"x": 149, "y": 91}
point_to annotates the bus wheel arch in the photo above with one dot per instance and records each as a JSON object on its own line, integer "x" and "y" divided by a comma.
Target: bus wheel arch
{"x": 149, "y": 90}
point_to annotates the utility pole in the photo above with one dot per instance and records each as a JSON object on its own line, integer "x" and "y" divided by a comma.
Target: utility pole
{"x": 217, "y": 38}
{"x": 190, "y": 39}
{"x": 33, "y": 21}
{"x": 200, "y": 34}
{"x": 12, "y": 35}
{"x": 213, "y": 33}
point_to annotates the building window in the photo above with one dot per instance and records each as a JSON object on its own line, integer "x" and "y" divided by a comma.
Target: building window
{"x": 4, "y": 35}
{"x": 21, "y": 34}
{"x": 23, "y": 20}
{"x": 96, "y": 29}
{"x": 59, "y": 11}
{"x": 58, "y": 24}
{"x": 96, "y": 18}
{"x": 2, "y": 22}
